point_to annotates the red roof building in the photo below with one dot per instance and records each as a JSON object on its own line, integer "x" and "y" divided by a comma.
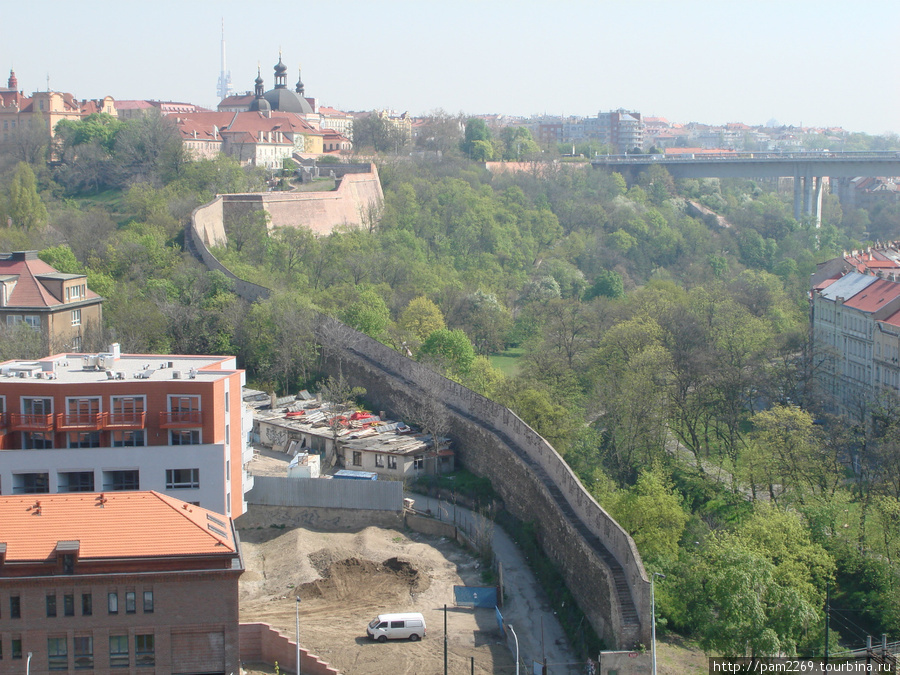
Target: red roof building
{"x": 60, "y": 306}
{"x": 130, "y": 580}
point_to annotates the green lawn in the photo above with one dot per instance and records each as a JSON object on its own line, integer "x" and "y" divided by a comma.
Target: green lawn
{"x": 508, "y": 361}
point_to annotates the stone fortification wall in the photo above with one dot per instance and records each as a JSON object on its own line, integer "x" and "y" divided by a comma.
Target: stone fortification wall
{"x": 597, "y": 557}
{"x": 355, "y": 201}
{"x": 209, "y": 217}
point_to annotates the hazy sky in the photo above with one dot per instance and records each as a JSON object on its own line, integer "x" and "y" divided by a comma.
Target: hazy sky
{"x": 797, "y": 61}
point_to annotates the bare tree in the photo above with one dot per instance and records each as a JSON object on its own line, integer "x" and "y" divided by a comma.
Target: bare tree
{"x": 342, "y": 397}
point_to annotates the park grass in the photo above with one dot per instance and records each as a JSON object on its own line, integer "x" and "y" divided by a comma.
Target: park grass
{"x": 507, "y": 361}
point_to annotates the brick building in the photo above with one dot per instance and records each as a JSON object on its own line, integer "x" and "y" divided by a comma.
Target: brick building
{"x": 111, "y": 422}
{"x": 122, "y": 581}
{"x": 60, "y": 306}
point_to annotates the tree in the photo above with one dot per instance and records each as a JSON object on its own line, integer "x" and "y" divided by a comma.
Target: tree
{"x": 758, "y": 591}
{"x": 376, "y": 131}
{"x": 518, "y": 143}
{"x": 789, "y": 454}
{"x": 277, "y": 339}
{"x": 342, "y": 397}
{"x": 607, "y": 284}
{"x": 450, "y": 350}
{"x": 651, "y": 512}
{"x": 28, "y": 141}
{"x": 476, "y": 143}
{"x": 421, "y": 318}
{"x": 440, "y": 132}
{"x": 23, "y": 205}
{"x": 368, "y": 313}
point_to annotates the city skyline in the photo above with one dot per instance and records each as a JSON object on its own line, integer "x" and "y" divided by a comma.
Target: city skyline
{"x": 800, "y": 63}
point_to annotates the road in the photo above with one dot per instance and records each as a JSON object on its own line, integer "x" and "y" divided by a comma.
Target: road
{"x": 526, "y": 606}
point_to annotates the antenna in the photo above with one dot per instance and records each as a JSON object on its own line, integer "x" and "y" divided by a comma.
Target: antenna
{"x": 225, "y": 88}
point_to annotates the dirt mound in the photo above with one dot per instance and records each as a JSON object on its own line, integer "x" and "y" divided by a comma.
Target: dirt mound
{"x": 344, "y": 580}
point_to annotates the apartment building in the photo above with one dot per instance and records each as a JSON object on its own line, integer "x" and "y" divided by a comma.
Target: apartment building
{"x": 59, "y": 306}
{"x": 116, "y": 422}
{"x": 855, "y": 321}
{"x": 117, "y": 581}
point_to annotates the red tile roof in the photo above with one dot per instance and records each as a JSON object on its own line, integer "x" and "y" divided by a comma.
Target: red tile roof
{"x": 110, "y": 525}
{"x": 874, "y": 296}
{"x": 29, "y": 291}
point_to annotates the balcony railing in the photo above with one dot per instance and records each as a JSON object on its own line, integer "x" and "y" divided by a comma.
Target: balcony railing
{"x": 27, "y": 422}
{"x": 126, "y": 420}
{"x": 180, "y": 419}
{"x": 80, "y": 421}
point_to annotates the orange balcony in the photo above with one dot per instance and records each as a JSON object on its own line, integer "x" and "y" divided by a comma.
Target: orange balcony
{"x": 79, "y": 421}
{"x": 126, "y": 420}
{"x": 178, "y": 419}
{"x": 25, "y": 422}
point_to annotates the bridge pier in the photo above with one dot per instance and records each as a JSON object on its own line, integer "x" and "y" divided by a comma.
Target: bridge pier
{"x": 808, "y": 196}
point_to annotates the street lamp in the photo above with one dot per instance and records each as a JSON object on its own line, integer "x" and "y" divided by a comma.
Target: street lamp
{"x": 298, "y": 635}
{"x": 28, "y": 664}
{"x": 517, "y": 648}
{"x": 653, "y": 612}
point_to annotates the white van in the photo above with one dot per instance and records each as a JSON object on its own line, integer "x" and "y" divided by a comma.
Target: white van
{"x": 386, "y": 627}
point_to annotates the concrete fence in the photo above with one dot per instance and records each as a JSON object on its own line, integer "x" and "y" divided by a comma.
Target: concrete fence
{"x": 260, "y": 643}
{"x": 365, "y": 495}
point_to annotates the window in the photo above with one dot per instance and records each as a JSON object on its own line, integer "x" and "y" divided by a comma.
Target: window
{"x": 76, "y": 481}
{"x": 84, "y": 439}
{"x": 419, "y": 462}
{"x": 127, "y": 410}
{"x": 112, "y": 602}
{"x": 185, "y": 437}
{"x": 148, "y": 602}
{"x": 15, "y": 607}
{"x": 118, "y": 651}
{"x": 57, "y": 653}
{"x": 357, "y": 458}
{"x": 16, "y": 645}
{"x": 76, "y": 343}
{"x": 128, "y": 439}
{"x": 76, "y": 317}
{"x": 130, "y": 602}
{"x": 84, "y": 652}
{"x": 392, "y": 462}
{"x": 143, "y": 650}
{"x": 51, "y": 604}
{"x": 379, "y": 461}
{"x": 121, "y": 480}
{"x": 87, "y": 604}
{"x": 37, "y": 440}
{"x": 182, "y": 478}
{"x": 69, "y": 604}
{"x": 33, "y": 320}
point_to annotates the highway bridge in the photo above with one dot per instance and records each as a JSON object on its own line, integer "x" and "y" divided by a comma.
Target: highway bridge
{"x": 808, "y": 169}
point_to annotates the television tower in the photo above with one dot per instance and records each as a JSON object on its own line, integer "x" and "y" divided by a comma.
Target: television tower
{"x": 225, "y": 88}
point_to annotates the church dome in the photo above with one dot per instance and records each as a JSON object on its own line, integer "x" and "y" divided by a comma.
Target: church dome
{"x": 286, "y": 100}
